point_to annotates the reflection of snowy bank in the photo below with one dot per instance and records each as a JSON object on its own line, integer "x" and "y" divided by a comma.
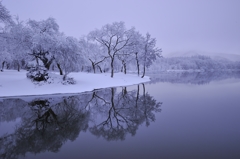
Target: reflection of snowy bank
{"x": 201, "y": 77}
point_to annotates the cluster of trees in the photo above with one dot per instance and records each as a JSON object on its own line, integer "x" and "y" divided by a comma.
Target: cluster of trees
{"x": 111, "y": 48}
{"x": 197, "y": 63}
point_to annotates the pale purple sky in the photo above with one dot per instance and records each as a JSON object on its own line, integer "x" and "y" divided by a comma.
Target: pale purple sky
{"x": 178, "y": 25}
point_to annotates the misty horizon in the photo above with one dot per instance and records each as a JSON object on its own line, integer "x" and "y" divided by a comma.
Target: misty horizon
{"x": 178, "y": 26}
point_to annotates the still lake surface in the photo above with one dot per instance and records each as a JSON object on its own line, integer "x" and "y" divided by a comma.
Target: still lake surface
{"x": 176, "y": 115}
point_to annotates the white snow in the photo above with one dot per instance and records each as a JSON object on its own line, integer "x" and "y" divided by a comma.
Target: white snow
{"x": 13, "y": 83}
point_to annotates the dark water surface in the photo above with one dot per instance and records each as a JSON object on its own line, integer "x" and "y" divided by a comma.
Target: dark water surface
{"x": 176, "y": 115}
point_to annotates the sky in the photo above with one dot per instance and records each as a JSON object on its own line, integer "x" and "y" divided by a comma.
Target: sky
{"x": 211, "y": 26}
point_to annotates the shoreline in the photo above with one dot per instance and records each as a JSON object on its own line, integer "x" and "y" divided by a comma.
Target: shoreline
{"x": 15, "y": 84}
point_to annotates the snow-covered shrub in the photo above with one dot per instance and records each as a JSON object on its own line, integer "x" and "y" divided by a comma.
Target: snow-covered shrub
{"x": 38, "y": 74}
{"x": 55, "y": 78}
{"x": 41, "y": 76}
{"x": 68, "y": 80}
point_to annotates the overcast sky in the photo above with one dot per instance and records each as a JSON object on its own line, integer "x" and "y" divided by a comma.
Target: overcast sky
{"x": 178, "y": 25}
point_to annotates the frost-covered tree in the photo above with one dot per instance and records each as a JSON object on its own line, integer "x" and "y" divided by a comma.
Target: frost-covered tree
{"x": 94, "y": 53}
{"x": 114, "y": 37}
{"x": 5, "y": 57}
{"x": 150, "y": 52}
{"x": 133, "y": 51}
{"x": 44, "y": 35}
{"x": 19, "y": 43}
{"x": 44, "y": 38}
{"x": 126, "y": 57}
{"x": 5, "y": 20}
{"x": 67, "y": 55}
{"x": 5, "y": 16}
{"x": 4, "y": 54}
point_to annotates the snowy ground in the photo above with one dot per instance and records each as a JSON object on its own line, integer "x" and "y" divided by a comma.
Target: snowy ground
{"x": 13, "y": 83}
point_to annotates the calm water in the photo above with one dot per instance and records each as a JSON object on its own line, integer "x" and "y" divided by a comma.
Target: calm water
{"x": 177, "y": 115}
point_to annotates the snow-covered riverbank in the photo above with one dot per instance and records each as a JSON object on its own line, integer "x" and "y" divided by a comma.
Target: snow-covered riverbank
{"x": 13, "y": 83}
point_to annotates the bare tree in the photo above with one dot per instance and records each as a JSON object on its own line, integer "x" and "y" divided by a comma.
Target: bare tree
{"x": 150, "y": 52}
{"x": 94, "y": 53}
{"x": 114, "y": 37}
{"x": 131, "y": 53}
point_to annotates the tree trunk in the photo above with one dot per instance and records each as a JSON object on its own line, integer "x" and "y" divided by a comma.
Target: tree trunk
{"x": 18, "y": 67}
{"x": 99, "y": 68}
{"x": 137, "y": 63}
{"x": 138, "y": 69}
{"x": 125, "y": 68}
{"x": 37, "y": 61}
{"x": 8, "y": 66}
{"x": 94, "y": 71}
{"x": 3, "y": 65}
{"x": 112, "y": 71}
{"x": 64, "y": 77}
{"x": 60, "y": 69}
{"x": 48, "y": 64}
{"x": 143, "y": 71}
{"x": 93, "y": 65}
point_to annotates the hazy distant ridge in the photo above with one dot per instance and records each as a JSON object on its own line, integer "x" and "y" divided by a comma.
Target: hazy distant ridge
{"x": 194, "y": 63}
{"x": 215, "y": 56}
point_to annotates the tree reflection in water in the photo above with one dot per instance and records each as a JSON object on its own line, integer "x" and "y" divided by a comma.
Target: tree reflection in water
{"x": 47, "y": 123}
{"x": 124, "y": 113}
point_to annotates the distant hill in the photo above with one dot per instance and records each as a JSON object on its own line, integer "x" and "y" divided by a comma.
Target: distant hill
{"x": 194, "y": 61}
{"x": 215, "y": 56}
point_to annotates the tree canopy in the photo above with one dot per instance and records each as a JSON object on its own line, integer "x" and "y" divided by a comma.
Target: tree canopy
{"x": 5, "y": 16}
{"x": 40, "y": 47}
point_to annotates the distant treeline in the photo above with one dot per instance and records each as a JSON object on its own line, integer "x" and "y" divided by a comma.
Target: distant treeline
{"x": 195, "y": 63}
{"x": 198, "y": 78}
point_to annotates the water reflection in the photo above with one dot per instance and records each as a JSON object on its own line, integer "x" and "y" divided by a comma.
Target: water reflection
{"x": 124, "y": 113}
{"x": 48, "y": 122}
{"x": 193, "y": 77}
